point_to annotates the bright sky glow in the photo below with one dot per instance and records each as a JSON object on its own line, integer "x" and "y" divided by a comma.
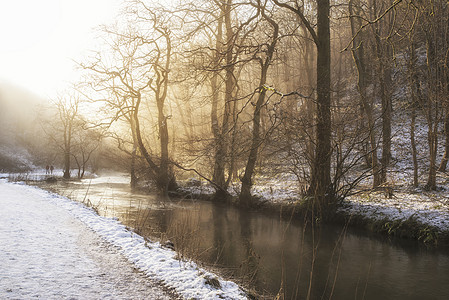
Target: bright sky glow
{"x": 41, "y": 38}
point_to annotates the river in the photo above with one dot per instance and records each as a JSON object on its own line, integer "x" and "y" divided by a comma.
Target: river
{"x": 268, "y": 253}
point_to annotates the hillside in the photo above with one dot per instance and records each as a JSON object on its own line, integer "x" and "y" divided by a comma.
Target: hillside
{"x": 20, "y": 134}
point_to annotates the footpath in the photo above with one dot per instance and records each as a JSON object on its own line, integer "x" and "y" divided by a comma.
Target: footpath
{"x": 47, "y": 253}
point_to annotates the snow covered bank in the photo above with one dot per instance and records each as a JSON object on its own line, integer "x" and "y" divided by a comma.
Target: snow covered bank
{"x": 427, "y": 208}
{"x": 47, "y": 253}
{"x": 424, "y": 208}
{"x": 161, "y": 264}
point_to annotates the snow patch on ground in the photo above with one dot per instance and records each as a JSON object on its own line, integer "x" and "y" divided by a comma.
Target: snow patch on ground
{"x": 430, "y": 208}
{"x": 47, "y": 253}
{"x": 159, "y": 263}
{"x": 15, "y": 158}
{"x": 424, "y": 208}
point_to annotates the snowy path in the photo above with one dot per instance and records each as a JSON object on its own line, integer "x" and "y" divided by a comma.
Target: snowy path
{"x": 53, "y": 247}
{"x": 47, "y": 253}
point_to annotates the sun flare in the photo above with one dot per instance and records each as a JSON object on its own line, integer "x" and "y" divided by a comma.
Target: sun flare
{"x": 25, "y": 23}
{"x": 41, "y": 39}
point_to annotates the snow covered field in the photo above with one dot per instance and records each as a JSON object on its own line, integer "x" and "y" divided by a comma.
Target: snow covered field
{"x": 52, "y": 247}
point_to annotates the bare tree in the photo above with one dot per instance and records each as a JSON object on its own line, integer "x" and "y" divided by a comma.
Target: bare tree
{"x": 384, "y": 54}
{"x": 68, "y": 113}
{"x": 320, "y": 182}
{"x": 256, "y": 141}
{"x": 140, "y": 71}
{"x": 85, "y": 142}
{"x": 434, "y": 24}
{"x": 414, "y": 91}
{"x": 223, "y": 138}
{"x": 362, "y": 84}
{"x": 223, "y": 56}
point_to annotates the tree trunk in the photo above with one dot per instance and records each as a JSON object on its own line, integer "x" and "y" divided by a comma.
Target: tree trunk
{"x": 432, "y": 113}
{"x": 153, "y": 168}
{"x": 245, "y": 193}
{"x": 320, "y": 186}
{"x": 222, "y": 144}
{"x": 232, "y": 146}
{"x": 83, "y": 170}
{"x": 66, "y": 174}
{"x": 413, "y": 86}
{"x": 432, "y": 138}
{"x": 443, "y": 164}
{"x": 384, "y": 60}
{"x": 358, "y": 55}
{"x": 386, "y": 88}
{"x": 67, "y": 149}
{"x": 83, "y": 167}
{"x": 413, "y": 144}
{"x": 163, "y": 176}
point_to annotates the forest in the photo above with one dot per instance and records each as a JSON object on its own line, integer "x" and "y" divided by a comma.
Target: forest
{"x": 224, "y": 149}
{"x": 227, "y": 92}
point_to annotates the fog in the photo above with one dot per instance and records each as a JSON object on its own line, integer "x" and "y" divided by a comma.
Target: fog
{"x": 225, "y": 92}
{"x": 41, "y": 40}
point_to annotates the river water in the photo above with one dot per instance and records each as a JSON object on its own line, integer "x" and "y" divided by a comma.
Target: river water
{"x": 269, "y": 254}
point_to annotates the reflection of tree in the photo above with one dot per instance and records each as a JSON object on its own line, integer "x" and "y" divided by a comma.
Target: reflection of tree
{"x": 218, "y": 216}
{"x": 250, "y": 265}
{"x": 232, "y": 242}
{"x": 162, "y": 222}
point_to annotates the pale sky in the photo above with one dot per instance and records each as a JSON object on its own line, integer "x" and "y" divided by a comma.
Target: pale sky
{"x": 40, "y": 38}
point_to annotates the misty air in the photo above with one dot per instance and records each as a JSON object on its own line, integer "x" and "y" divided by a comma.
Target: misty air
{"x": 261, "y": 149}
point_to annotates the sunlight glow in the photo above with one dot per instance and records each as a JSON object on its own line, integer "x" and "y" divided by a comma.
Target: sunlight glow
{"x": 40, "y": 40}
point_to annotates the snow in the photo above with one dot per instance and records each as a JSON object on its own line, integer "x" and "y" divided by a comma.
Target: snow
{"x": 424, "y": 208}
{"x": 16, "y": 155}
{"x": 40, "y": 243}
{"x": 428, "y": 208}
{"x": 47, "y": 253}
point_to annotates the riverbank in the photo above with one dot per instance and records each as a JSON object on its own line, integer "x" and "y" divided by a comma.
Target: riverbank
{"x": 47, "y": 253}
{"x": 404, "y": 211}
{"x": 38, "y": 232}
{"x": 263, "y": 251}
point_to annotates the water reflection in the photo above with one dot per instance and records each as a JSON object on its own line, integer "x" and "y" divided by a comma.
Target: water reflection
{"x": 272, "y": 255}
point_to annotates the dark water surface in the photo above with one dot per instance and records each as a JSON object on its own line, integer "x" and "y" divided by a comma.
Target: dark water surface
{"x": 268, "y": 253}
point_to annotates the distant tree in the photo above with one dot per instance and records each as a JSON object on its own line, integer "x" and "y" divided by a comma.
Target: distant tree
{"x": 358, "y": 52}
{"x": 414, "y": 87}
{"x": 85, "y": 142}
{"x": 68, "y": 111}
{"x": 383, "y": 31}
{"x": 434, "y": 25}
